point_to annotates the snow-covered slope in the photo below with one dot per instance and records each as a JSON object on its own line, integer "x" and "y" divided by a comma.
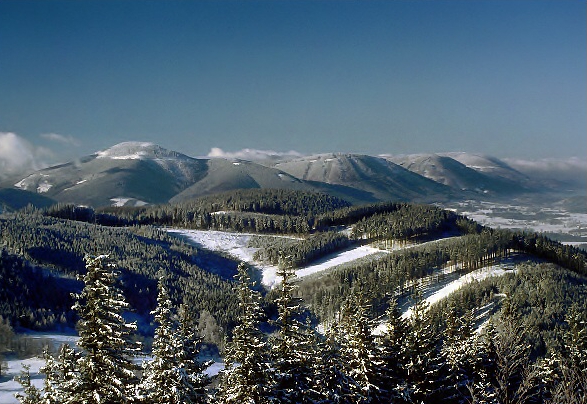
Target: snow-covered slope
{"x": 467, "y": 172}
{"x": 377, "y": 176}
{"x": 133, "y": 172}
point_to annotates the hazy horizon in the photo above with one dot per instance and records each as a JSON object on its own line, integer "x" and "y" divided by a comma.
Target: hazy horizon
{"x": 502, "y": 78}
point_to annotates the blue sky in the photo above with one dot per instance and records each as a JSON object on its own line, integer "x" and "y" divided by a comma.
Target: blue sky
{"x": 505, "y": 78}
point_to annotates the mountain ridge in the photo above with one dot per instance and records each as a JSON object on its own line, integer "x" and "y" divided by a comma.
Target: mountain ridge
{"x": 138, "y": 173}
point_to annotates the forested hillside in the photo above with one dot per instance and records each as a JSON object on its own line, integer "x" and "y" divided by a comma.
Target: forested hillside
{"x": 459, "y": 349}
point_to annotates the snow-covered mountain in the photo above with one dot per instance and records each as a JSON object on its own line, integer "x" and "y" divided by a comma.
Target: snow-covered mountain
{"x": 127, "y": 173}
{"x": 137, "y": 173}
{"x": 376, "y": 176}
{"x": 466, "y": 172}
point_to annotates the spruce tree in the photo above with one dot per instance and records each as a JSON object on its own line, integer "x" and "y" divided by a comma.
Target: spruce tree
{"x": 247, "y": 375}
{"x": 32, "y": 395}
{"x": 393, "y": 347}
{"x": 171, "y": 377}
{"x": 361, "y": 355}
{"x": 293, "y": 346}
{"x": 61, "y": 376}
{"x": 459, "y": 353}
{"x": 422, "y": 356}
{"x": 333, "y": 385}
{"x": 106, "y": 369}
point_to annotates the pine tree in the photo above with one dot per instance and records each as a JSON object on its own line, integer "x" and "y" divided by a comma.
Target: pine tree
{"x": 333, "y": 384}
{"x": 61, "y": 377}
{"x": 171, "y": 377}
{"x": 361, "y": 356}
{"x": 293, "y": 346}
{"x": 191, "y": 345}
{"x": 422, "y": 356}
{"x": 459, "y": 352}
{"x": 32, "y": 395}
{"x": 247, "y": 375}
{"x": 567, "y": 370}
{"x": 106, "y": 370}
{"x": 393, "y": 347}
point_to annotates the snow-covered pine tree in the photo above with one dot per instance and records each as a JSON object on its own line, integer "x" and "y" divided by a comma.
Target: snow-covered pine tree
{"x": 191, "y": 345}
{"x": 247, "y": 375}
{"x": 61, "y": 377}
{"x": 459, "y": 353}
{"x": 569, "y": 368}
{"x": 31, "y": 395}
{"x": 106, "y": 370}
{"x": 332, "y": 384}
{"x": 514, "y": 377}
{"x": 168, "y": 377}
{"x": 393, "y": 354}
{"x": 422, "y": 352}
{"x": 362, "y": 357}
{"x": 293, "y": 347}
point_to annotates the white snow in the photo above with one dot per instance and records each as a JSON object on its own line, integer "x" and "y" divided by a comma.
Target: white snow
{"x": 337, "y": 259}
{"x": 214, "y": 369}
{"x": 235, "y": 244}
{"x": 21, "y": 184}
{"x": 8, "y": 387}
{"x": 126, "y": 151}
{"x": 44, "y": 187}
{"x": 119, "y": 201}
{"x": 122, "y": 201}
{"x": 80, "y": 182}
{"x": 479, "y": 275}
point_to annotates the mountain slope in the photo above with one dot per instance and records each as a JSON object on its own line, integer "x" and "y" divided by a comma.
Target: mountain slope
{"x": 223, "y": 175}
{"x": 128, "y": 173}
{"x": 378, "y": 177}
{"x": 466, "y": 172}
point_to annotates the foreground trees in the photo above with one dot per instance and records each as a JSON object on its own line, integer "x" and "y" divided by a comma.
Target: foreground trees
{"x": 413, "y": 360}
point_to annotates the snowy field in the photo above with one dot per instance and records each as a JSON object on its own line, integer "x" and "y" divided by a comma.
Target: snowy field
{"x": 8, "y": 387}
{"x": 539, "y": 219}
{"x": 236, "y": 245}
{"x": 438, "y": 291}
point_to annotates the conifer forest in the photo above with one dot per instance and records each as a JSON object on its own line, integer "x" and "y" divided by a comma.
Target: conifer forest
{"x": 154, "y": 313}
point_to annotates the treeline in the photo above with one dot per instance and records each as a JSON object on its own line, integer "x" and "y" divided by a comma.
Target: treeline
{"x": 199, "y": 213}
{"x": 141, "y": 253}
{"x": 541, "y": 246}
{"x": 412, "y": 360}
{"x": 398, "y": 272}
{"x": 301, "y": 252}
{"x": 540, "y": 294}
{"x": 405, "y": 222}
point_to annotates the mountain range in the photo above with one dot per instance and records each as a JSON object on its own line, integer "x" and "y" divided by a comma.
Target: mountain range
{"x": 137, "y": 173}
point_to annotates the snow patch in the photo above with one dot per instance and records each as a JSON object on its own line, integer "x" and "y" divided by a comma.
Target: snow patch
{"x": 478, "y": 275}
{"x": 44, "y": 187}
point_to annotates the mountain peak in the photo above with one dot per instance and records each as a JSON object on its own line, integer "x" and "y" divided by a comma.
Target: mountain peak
{"x": 138, "y": 151}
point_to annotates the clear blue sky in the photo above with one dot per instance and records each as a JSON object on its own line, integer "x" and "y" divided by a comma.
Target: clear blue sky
{"x": 506, "y": 78}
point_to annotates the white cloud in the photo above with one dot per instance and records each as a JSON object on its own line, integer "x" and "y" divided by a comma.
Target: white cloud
{"x": 18, "y": 156}
{"x": 66, "y": 140}
{"x": 572, "y": 169}
{"x": 253, "y": 154}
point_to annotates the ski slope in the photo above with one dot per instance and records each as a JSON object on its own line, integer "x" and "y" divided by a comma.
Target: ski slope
{"x": 236, "y": 245}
